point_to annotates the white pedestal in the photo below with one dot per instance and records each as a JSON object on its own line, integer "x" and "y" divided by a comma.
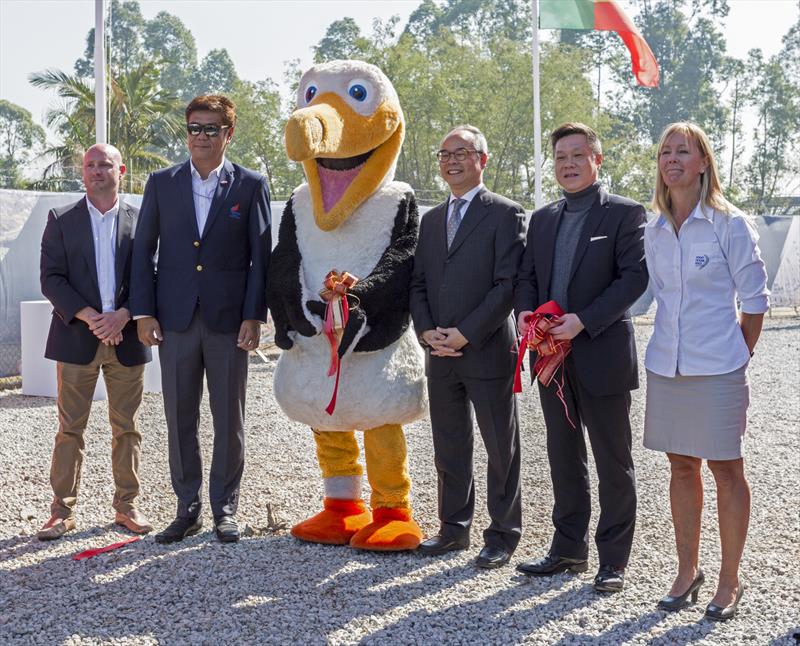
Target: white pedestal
{"x": 39, "y": 374}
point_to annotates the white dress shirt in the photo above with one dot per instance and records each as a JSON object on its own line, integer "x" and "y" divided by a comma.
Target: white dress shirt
{"x": 696, "y": 277}
{"x": 467, "y": 197}
{"x": 203, "y": 193}
{"x": 104, "y": 234}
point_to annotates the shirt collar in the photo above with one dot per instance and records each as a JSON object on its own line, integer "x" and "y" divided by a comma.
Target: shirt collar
{"x": 660, "y": 222}
{"x": 94, "y": 210}
{"x": 214, "y": 173}
{"x": 468, "y": 196}
{"x": 698, "y": 213}
{"x": 702, "y": 213}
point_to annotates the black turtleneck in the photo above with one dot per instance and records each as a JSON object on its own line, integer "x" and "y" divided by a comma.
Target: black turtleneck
{"x": 569, "y": 232}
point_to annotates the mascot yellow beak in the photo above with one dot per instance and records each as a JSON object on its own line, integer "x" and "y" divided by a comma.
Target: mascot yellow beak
{"x": 346, "y": 156}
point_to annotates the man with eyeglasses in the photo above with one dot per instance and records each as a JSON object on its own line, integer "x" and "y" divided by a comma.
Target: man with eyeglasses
{"x": 461, "y": 298}
{"x": 201, "y": 299}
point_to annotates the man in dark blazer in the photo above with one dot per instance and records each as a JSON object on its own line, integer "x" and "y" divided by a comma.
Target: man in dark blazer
{"x": 85, "y": 272}
{"x": 585, "y": 251}
{"x": 202, "y": 301}
{"x": 461, "y": 299}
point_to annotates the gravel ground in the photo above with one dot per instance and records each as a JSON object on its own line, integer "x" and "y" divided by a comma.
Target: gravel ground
{"x": 270, "y": 588}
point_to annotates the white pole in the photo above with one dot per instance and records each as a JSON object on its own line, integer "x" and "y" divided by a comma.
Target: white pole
{"x": 537, "y": 117}
{"x": 100, "y": 71}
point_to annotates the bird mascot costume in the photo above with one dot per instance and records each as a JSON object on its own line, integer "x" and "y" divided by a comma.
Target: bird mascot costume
{"x": 339, "y": 280}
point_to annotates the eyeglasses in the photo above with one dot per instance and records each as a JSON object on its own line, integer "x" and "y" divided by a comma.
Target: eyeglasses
{"x": 459, "y": 155}
{"x": 211, "y": 129}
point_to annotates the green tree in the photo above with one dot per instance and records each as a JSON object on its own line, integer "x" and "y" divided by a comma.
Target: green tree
{"x": 690, "y": 50}
{"x": 168, "y": 42}
{"x": 20, "y": 138}
{"x": 141, "y": 121}
{"x": 216, "y": 74}
{"x": 124, "y": 29}
{"x": 258, "y": 140}
{"x": 480, "y": 21}
{"x": 447, "y": 80}
{"x": 774, "y": 169}
{"x": 342, "y": 40}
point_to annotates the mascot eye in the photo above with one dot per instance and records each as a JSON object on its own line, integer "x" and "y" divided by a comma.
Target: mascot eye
{"x": 358, "y": 92}
{"x": 311, "y": 92}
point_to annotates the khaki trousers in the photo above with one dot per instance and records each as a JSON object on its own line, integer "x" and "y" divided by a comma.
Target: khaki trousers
{"x": 76, "y": 384}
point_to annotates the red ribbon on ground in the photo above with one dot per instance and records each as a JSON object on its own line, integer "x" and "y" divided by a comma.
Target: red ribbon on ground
{"x": 335, "y": 293}
{"x": 551, "y": 352}
{"x": 87, "y": 554}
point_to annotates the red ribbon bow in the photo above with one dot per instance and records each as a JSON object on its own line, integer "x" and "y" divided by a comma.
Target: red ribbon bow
{"x": 336, "y": 288}
{"x": 551, "y": 352}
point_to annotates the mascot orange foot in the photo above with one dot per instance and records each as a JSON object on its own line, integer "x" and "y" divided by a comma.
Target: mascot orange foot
{"x": 345, "y": 518}
{"x": 336, "y": 524}
{"x": 391, "y": 530}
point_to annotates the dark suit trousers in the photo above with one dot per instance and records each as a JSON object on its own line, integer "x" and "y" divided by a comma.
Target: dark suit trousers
{"x": 607, "y": 424}
{"x": 184, "y": 357}
{"x": 451, "y": 422}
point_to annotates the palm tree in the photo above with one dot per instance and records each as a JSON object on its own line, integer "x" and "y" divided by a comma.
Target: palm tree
{"x": 144, "y": 121}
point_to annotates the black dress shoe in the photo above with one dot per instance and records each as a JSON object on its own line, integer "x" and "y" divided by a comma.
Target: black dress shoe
{"x": 227, "y": 529}
{"x": 671, "y": 604}
{"x": 609, "y": 579}
{"x": 551, "y": 564}
{"x": 438, "y": 545}
{"x": 179, "y": 529}
{"x": 720, "y": 613}
{"x": 492, "y": 557}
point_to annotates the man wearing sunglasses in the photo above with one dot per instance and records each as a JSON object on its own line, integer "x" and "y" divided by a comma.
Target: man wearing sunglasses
{"x": 200, "y": 260}
{"x": 461, "y": 297}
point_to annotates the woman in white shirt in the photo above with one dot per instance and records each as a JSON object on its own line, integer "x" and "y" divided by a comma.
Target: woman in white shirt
{"x": 702, "y": 255}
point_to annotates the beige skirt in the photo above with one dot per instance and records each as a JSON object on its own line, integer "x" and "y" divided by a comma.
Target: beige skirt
{"x": 703, "y": 417}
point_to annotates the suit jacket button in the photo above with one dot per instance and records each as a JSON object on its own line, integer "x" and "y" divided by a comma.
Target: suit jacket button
{"x": 199, "y": 267}
{"x": 196, "y": 243}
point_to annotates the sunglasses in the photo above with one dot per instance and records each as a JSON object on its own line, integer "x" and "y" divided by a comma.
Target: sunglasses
{"x": 211, "y": 129}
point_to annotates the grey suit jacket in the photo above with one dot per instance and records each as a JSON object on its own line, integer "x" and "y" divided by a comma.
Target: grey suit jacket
{"x": 470, "y": 286}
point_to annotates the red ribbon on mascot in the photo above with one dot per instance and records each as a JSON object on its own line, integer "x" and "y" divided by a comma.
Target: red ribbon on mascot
{"x": 337, "y": 313}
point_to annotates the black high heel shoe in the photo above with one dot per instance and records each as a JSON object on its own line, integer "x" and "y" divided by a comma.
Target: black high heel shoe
{"x": 720, "y": 613}
{"x": 671, "y": 604}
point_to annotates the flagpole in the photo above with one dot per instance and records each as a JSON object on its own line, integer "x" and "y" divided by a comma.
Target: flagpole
{"x": 100, "y": 71}
{"x": 537, "y": 117}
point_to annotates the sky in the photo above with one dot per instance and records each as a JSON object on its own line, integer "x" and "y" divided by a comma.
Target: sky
{"x": 260, "y": 35}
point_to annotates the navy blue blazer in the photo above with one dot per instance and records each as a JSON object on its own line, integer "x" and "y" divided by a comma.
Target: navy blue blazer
{"x": 69, "y": 281}
{"x": 608, "y": 274}
{"x": 222, "y": 269}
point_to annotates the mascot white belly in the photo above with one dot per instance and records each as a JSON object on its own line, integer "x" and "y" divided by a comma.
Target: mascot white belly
{"x": 380, "y": 387}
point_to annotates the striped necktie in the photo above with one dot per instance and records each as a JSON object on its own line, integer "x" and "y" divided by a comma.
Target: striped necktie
{"x": 454, "y": 220}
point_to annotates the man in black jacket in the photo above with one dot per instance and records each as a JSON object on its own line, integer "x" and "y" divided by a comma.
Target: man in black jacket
{"x": 85, "y": 273}
{"x": 586, "y": 252}
{"x": 461, "y": 299}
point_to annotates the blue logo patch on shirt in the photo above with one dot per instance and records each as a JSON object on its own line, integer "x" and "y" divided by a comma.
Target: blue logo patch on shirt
{"x": 701, "y": 261}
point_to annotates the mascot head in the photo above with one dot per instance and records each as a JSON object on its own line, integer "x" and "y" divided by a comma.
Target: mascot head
{"x": 347, "y": 131}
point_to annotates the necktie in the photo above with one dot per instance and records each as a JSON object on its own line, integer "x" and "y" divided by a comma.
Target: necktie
{"x": 454, "y": 220}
